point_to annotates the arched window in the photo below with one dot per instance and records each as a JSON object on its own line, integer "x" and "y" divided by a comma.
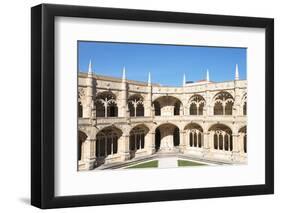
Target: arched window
{"x": 222, "y": 137}
{"x": 157, "y": 108}
{"x": 218, "y": 108}
{"x": 107, "y": 142}
{"x": 81, "y": 139}
{"x": 243, "y": 137}
{"x": 137, "y": 139}
{"x": 167, "y": 106}
{"x": 223, "y": 104}
{"x": 196, "y": 105}
{"x": 228, "y": 107}
{"x": 215, "y": 141}
{"x": 195, "y": 135}
{"x": 135, "y": 103}
{"x": 167, "y": 137}
{"x": 221, "y": 142}
{"x": 80, "y": 109}
{"x": 193, "y": 109}
{"x": 177, "y": 108}
{"x": 176, "y": 137}
{"x": 201, "y": 108}
{"x": 106, "y": 105}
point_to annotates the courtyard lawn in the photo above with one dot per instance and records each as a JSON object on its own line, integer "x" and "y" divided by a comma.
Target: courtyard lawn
{"x": 189, "y": 163}
{"x": 150, "y": 164}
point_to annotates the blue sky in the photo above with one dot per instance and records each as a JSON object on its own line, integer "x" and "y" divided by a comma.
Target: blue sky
{"x": 166, "y": 63}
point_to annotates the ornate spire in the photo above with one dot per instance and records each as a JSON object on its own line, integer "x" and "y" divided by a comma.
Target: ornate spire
{"x": 149, "y": 79}
{"x": 90, "y": 71}
{"x": 207, "y": 75}
{"x": 236, "y": 72}
{"x": 183, "y": 80}
{"x": 124, "y": 74}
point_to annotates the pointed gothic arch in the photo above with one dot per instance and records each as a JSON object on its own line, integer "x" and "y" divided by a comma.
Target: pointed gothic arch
{"x": 137, "y": 139}
{"x": 223, "y": 103}
{"x": 82, "y": 137}
{"x": 106, "y": 105}
{"x": 135, "y": 104}
{"x": 167, "y": 106}
{"x": 243, "y": 138}
{"x": 222, "y": 137}
{"x": 194, "y": 135}
{"x": 196, "y": 105}
{"x": 107, "y": 143}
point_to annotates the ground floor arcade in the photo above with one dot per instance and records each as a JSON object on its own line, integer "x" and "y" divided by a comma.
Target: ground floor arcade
{"x": 113, "y": 144}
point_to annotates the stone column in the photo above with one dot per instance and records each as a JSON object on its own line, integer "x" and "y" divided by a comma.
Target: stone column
{"x": 206, "y": 145}
{"x": 123, "y": 100}
{"x": 207, "y": 107}
{"x": 150, "y": 143}
{"x": 182, "y": 141}
{"x": 187, "y": 145}
{"x": 187, "y": 110}
{"x": 211, "y": 140}
{"x": 122, "y": 112}
{"x": 123, "y": 147}
{"x": 206, "y": 140}
{"x": 148, "y": 111}
{"x": 236, "y": 104}
{"x": 235, "y": 147}
{"x": 88, "y": 104}
{"x": 241, "y": 142}
{"x": 181, "y": 110}
{"x": 89, "y": 153}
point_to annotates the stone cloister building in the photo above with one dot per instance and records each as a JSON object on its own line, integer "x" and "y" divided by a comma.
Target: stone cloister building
{"x": 121, "y": 120}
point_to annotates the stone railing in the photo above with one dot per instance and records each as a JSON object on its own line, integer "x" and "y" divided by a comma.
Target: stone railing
{"x": 140, "y": 119}
{"x": 211, "y": 118}
{"x": 84, "y": 121}
{"x": 110, "y": 120}
{"x": 223, "y": 118}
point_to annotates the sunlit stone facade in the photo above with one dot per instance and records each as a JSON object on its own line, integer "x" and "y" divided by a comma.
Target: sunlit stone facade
{"x": 120, "y": 120}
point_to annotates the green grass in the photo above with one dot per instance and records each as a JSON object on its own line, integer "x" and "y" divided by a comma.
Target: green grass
{"x": 150, "y": 164}
{"x": 189, "y": 163}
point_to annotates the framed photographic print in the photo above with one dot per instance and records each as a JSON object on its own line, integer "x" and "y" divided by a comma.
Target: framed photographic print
{"x": 139, "y": 106}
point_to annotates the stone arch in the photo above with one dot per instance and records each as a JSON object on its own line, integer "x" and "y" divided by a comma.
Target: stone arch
{"x": 107, "y": 143}
{"x": 82, "y": 137}
{"x": 106, "y": 105}
{"x": 166, "y": 137}
{"x": 167, "y": 106}
{"x": 194, "y": 135}
{"x": 222, "y": 137}
{"x": 223, "y": 103}
{"x": 243, "y": 138}
{"x": 137, "y": 139}
{"x": 135, "y": 105}
{"x": 196, "y": 104}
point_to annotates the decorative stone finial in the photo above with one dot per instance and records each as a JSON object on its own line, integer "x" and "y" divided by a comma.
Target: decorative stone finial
{"x": 236, "y": 72}
{"x": 207, "y": 75}
{"x": 149, "y": 79}
{"x": 90, "y": 71}
{"x": 124, "y": 74}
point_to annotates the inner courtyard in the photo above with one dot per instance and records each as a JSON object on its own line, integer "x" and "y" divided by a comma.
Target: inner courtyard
{"x": 121, "y": 120}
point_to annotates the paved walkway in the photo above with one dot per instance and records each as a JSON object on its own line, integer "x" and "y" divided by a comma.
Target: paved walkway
{"x": 171, "y": 162}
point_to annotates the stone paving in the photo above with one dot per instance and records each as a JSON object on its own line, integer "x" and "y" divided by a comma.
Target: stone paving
{"x": 171, "y": 162}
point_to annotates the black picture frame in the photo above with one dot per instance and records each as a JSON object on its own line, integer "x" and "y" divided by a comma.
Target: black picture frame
{"x": 43, "y": 102}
